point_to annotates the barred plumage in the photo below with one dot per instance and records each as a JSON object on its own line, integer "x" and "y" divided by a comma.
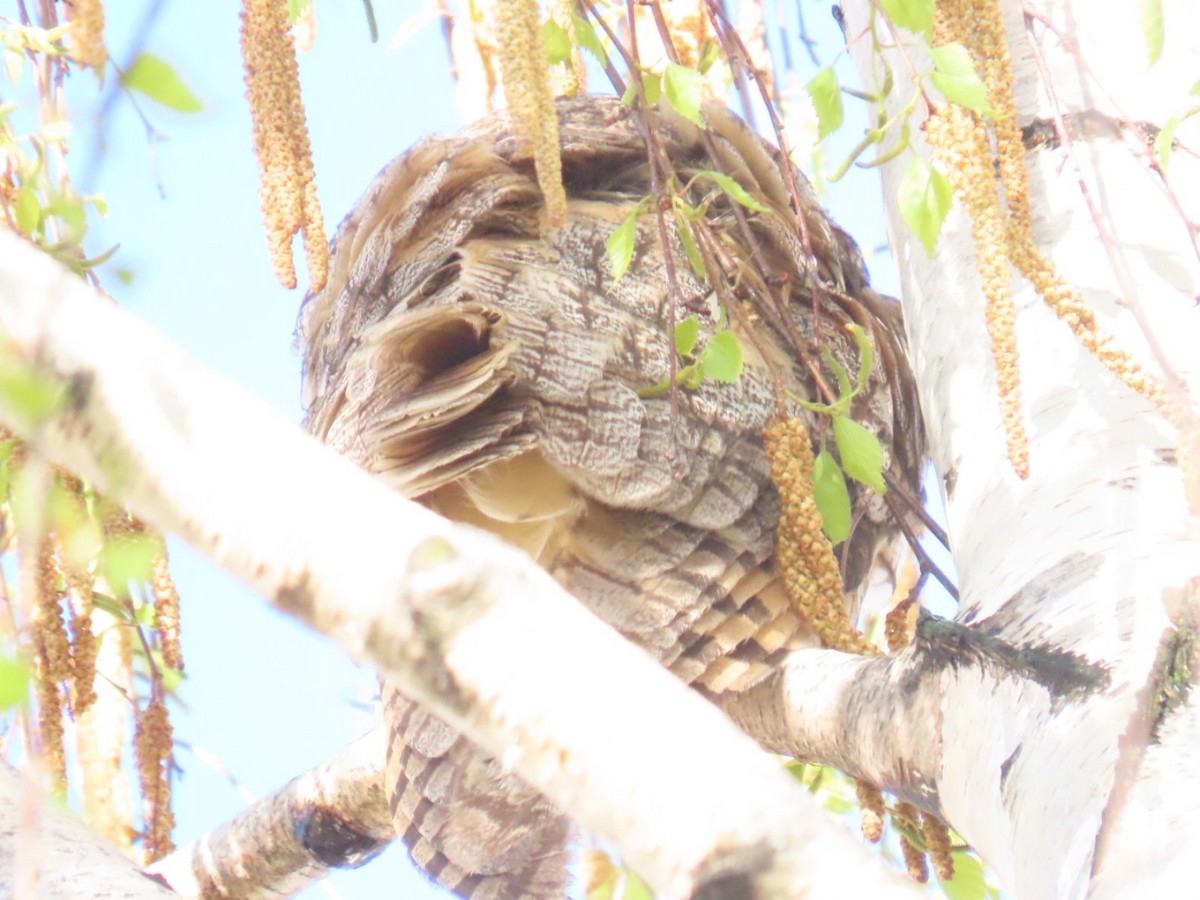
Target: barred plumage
{"x": 499, "y": 376}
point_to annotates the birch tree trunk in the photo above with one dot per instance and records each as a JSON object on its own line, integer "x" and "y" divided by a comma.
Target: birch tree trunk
{"x": 1063, "y": 736}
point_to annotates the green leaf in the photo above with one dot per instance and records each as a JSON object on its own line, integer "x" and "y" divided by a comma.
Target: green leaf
{"x": 915, "y": 15}
{"x": 924, "y": 197}
{"x": 730, "y": 186}
{"x": 1152, "y": 30}
{"x": 80, "y": 534}
{"x": 28, "y": 210}
{"x": 294, "y": 8}
{"x": 832, "y": 497}
{"x": 619, "y": 246}
{"x": 866, "y": 355}
{"x": 1165, "y": 139}
{"x": 635, "y": 888}
{"x": 721, "y": 358}
{"x": 827, "y": 101}
{"x": 154, "y": 77}
{"x": 112, "y": 606}
{"x": 28, "y": 396}
{"x": 710, "y": 53}
{"x": 14, "y": 62}
{"x": 955, "y": 76}
{"x": 589, "y": 40}
{"x": 684, "y": 229}
{"x": 684, "y": 89}
{"x": 651, "y": 87}
{"x": 902, "y": 143}
{"x": 969, "y": 881}
{"x": 14, "y": 682}
{"x": 127, "y": 558}
{"x": 172, "y": 678}
{"x": 558, "y": 42}
{"x": 687, "y": 333}
{"x": 861, "y": 452}
{"x": 690, "y": 377}
{"x": 71, "y": 208}
{"x": 145, "y": 615}
{"x": 845, "y": 388}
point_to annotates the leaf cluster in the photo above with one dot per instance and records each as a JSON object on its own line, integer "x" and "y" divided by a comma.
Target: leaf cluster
{"x": 36, "y": 194}
{"x": 924, "y": 195}
{"x": 859, "y": 450}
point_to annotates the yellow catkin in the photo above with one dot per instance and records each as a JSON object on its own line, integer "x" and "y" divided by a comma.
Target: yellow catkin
{"x": 980, "y": 28}
{"x": 83, "y": 639}
{"x": 870, "y": 803}
{"x": 166, "y": 606}
{"x": 909, "y": 820}
{"x": 1068, "y": 305}
{"x": 526, "y": 90}
{"x": 316, "y": 247}
{"x": 1189, "y": 458}
{"x": 802, "y": 551}
{"x": 959, "y": 139}
{"x": 810, "y": 571}
{"x": 100, "y": 735}
{"x": 898, "y": 625}
{"x": 116, "y": 522}
{"x": 690, "y": 28}
{"x": 575, "y": 79}
{"x": 937, "y": 845}
{"x": 152, "y": 743}
{"x": 53, "y": 667}
{"x": 87, "y": 34}
{"x": 287, "y": 190}
{"x": 79, "y": 584}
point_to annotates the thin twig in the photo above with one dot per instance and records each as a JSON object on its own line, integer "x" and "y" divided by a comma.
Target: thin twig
{"x": 1139, "y": 146}
{"x": 1127, "y": 294}
{"x": 926, "y": 562}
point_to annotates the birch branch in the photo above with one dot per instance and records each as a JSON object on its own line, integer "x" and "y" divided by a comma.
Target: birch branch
{"x": 48, "y": 854}
{"x": 874, "y": 718}
{"x": 463, "y": 623}
{"x": 334, "y": 816}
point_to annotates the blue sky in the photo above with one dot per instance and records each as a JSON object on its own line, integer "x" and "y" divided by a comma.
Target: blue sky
{"x": 265, "y": 697}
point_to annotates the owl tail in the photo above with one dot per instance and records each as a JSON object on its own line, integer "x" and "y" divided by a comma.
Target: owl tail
{"x": 478, "y": 830}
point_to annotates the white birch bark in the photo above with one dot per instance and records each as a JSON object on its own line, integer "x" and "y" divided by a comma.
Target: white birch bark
{"x": 47, "y": 853}
{"x": 334, "y": 816}
{"x": 1053, "y": 745}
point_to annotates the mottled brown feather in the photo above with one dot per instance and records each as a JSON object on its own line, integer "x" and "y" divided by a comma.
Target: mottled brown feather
{"x": 495, "y": 373}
